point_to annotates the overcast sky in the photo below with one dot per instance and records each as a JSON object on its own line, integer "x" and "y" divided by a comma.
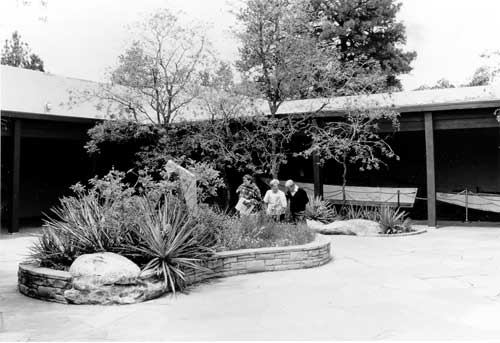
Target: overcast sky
{"x": 82, "y": 38}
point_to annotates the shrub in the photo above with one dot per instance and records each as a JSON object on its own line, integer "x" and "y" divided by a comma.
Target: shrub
{"x": 217, "y": 222}
{"x": 321, "y": 210}
{"x": 83, "y": 224}
{"x": 394, "y": 221}
{"x": 361, "y": 212}
{"x": 97, "y": 218}
{"x": 258, "y": 231}
{"x": 52, "y": 250}
{"x": 169, "y": 241}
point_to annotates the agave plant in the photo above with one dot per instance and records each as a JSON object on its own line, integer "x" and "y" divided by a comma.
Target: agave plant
{"x": 321, "y": 210}
{"x": 394, "y": 220}
{"x": 361, "y": 212}
{"x": 52, "y": 250}
{"x": 80, "y": 225}
{"x": 170, "y": 241}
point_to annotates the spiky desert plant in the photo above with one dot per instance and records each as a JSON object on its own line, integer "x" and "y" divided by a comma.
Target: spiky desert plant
{"x": 361, "y": 212}
{"x": 169, "y": 241}
{"x": 321, "y": 210}
{"x": 82, "y": 224}
{"x": 393, "y": 220}
{"x": 52, "y": 250}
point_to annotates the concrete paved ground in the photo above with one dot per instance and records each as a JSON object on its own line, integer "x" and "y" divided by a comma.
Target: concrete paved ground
{"x": 444, "y": 284}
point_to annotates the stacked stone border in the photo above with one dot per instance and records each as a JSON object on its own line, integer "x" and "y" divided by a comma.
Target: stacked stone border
{"x": 402, "y": 234}
{"x": 49, "y": 284}
{"x": 43, "y": 283}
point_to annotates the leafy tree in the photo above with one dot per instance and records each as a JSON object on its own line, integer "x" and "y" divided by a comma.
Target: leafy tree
{"x": 354, "y": 141}
{"x": 17, "y": 53}
{"x": 440, "y": 84}
{"x": 482, "y": 76}
{"x": 363, "y": 30}
{"x": 281, "y": 60}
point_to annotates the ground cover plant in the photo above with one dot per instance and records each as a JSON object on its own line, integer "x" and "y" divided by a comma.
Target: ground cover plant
{"x": 254, "y": 231}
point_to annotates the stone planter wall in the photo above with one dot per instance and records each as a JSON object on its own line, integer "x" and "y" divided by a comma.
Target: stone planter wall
{"x": 48, "y": 284}
{"x": 246, "y": 261}
{"x": 43, "y": 283}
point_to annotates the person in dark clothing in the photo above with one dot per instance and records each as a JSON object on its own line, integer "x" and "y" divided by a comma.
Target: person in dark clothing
{"x": 297, "y": 199}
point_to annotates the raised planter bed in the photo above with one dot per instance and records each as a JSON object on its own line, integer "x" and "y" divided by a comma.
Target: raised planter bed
{"x": 51, "y": 285}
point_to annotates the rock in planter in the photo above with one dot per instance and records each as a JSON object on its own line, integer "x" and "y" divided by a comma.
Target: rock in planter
{"x": 91, "y": 271}
{"x": 108, "y": 278}
{"x": 358, "y": 227}
{"x": 117, "y": 294}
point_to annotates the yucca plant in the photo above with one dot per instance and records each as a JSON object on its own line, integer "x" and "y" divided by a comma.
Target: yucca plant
{"x": 52, "y": 250}
{"x": 361, "y": 212}
{"x": 394, "y": 220}
{"x": 169, "y": 241}
{"x": 321, "y": 210}
{"x": 79, "y": 225}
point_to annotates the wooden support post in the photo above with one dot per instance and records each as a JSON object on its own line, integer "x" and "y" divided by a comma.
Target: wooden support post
{"x": 430, "y": 167}
{"x": 317, "y": 172}
{"x": 318, "y": 179}
{"x": 16, "y": 169}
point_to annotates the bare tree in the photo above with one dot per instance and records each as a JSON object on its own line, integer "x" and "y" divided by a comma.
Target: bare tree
{"x": 159, "y": 75}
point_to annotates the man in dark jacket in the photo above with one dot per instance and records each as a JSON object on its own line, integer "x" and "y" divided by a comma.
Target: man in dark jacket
{"x": 297, "y": 199}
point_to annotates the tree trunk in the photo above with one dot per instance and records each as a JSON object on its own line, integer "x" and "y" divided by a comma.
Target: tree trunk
{"x": 274, "y": 145}
{"x": 344, "y": 181}
{"x": 274, "y": 166}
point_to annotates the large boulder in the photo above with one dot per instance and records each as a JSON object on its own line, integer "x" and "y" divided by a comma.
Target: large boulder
{"x": 358, "y": 227}
{"x": 108, "y": 278}
{"x": 90, "y": 271}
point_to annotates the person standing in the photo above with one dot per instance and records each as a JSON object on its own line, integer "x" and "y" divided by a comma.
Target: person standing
{"x": 298, "y": 200}
{"x": 249, "y": 196}
{"x": 275, "y": 201}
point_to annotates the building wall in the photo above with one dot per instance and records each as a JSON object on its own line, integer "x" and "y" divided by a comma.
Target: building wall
{"x": 468, "y": 159}
{"x": 48, "y": 168}
{"x": 464, "y": 159}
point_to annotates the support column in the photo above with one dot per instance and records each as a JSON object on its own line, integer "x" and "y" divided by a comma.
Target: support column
{"x": 318, "y": 179}
{"x": 431, "y": 171}
{"x": 16, "y": 169}
{"x": 317, "y": 172}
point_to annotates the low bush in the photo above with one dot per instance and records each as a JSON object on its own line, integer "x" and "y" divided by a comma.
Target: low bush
{"x": 361, "y": 212}
{"x": 89, "y": 222}
{"x": 394, "y": 220}
{"x": 321, "y": 210}
{"x": 259, "y": 231}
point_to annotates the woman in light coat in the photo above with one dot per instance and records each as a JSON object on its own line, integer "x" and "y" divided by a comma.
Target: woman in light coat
{"x": 275, "y": 201}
